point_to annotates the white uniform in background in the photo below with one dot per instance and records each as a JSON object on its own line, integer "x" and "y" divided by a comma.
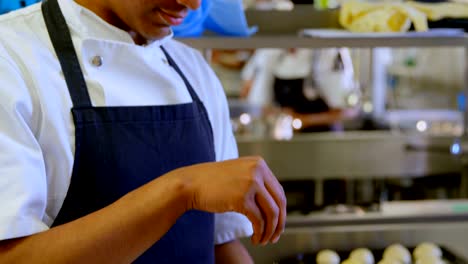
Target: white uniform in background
{"x": 265, "y": 64}
{"x": 334, "y": 85}
{"x": 36, "y": 128}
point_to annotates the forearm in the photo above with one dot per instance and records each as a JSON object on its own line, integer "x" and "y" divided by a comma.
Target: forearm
{"x": 319, "y": 119}
{"x": 118, "y": 233}
{"x": 232, "y": 253}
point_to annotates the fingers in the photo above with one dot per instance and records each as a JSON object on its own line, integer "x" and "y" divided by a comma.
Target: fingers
{"x": 254, "y": 214}
{"x": 277, "y": 193}
{"x": 281, "y": 222}
{"x": 270, "y": 212}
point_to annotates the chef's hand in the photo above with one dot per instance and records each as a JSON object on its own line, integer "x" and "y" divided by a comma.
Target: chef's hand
{"x": 244, "y": 185}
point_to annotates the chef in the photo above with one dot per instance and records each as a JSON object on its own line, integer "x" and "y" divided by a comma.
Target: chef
{"x": 116, "y": 144}
{"x": 311, "y": 86}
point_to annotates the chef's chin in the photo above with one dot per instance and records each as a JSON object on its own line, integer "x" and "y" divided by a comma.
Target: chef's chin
{"x": 157, "y": 32}
{"x": 143, "y": 38}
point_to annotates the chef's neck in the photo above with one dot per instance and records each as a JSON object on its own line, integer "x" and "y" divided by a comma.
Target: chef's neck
{"x": 110, "y": 17}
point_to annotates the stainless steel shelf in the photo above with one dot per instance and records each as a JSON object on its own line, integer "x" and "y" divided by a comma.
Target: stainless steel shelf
{"x": 323, "y": 221}
{"x": 289, "y": 41}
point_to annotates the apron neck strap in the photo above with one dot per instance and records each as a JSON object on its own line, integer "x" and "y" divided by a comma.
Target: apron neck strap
{"x": 61, "y": 40}
{"x": 174, "y": 65}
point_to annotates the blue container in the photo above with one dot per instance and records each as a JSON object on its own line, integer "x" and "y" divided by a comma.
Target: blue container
{"x": 10, "y": 5}
{"x": 227, "y": 17}
{"x": 223, "y": 17}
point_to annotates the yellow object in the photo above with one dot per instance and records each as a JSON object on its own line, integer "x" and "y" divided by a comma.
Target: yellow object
{"x": 359, "y": 16}
{"x": 438, "y": 11}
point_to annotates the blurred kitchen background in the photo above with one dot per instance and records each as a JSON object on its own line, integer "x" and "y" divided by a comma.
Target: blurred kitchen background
{"x": 367, "y": 142}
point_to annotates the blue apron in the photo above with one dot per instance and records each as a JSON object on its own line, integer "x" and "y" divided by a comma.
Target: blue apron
{"x": 119, "y": 149}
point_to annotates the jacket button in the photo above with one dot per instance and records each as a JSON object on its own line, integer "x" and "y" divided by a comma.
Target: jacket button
{"x": 97, "y": 61}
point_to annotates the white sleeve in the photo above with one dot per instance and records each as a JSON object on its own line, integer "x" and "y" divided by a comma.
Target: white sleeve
{"x": 23, "y": 184}
{"x": 228, "y": 226}
{"x": 251, "y": 67}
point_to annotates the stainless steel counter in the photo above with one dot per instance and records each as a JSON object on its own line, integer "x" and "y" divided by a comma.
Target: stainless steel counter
{"x": 355, "y": 155}
{"x": 358, "y": 156}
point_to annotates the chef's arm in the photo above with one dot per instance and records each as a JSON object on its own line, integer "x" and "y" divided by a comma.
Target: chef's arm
{"x": 122, "y": 231}
{"x": 118, "y": 233}
{"x": 329, "y": 117}
{"x": 232, "y": 253}
{"x": 246, "y": 87}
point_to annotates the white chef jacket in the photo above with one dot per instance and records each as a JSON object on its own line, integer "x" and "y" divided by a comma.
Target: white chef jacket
{"x": 37, "y": 140}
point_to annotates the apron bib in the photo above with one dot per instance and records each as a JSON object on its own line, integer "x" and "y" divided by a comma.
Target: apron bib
{"x": 118, "y": 149}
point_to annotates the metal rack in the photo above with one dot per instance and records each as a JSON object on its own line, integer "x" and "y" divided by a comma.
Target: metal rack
{"x": 316, "y": 231}
{"x": 289, "y": 41}
{"x": 206, "y": 44}
{"x": 324, "y": 221}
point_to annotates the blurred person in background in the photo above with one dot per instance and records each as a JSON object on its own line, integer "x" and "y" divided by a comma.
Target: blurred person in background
{"x": 312, "y": 86}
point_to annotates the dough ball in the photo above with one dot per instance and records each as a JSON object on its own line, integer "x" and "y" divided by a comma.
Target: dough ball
{"x": 351, "y": 261}
{"x": 328, "y": 257}
{"x": 397, "y": 252}
{"x": 363, "y": 255}
{"x": 427, "y": 249}
{"x": 429, "y": 260}
{"x": 389, "y": 261}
